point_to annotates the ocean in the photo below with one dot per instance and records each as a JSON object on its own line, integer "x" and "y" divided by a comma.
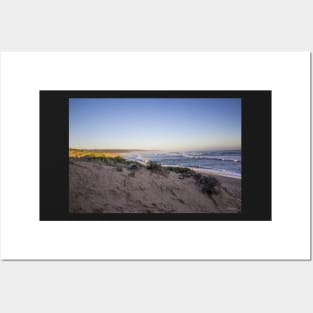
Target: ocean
{"x": 227, "y": 162}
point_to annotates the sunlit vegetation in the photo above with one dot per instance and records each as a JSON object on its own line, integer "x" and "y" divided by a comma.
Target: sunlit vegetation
{"x": 107, "y": 157}
{"x": 77, "y": 153}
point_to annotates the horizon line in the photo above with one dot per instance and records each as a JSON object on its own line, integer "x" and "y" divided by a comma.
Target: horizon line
{"x": 138, "y": 149}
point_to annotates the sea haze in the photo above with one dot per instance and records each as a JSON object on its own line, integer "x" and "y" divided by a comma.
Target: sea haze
{"x": 227, "y": 162}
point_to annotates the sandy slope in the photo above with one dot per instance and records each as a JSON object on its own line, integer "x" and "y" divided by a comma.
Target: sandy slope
{"x": 99, "y": 188}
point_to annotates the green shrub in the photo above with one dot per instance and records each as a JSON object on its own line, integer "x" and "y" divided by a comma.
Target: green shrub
{"x": 209, "y": 185}
{"x": 119, "y": 159}
{"x": 180, "y": 170}
{"x": 153, "y": 166}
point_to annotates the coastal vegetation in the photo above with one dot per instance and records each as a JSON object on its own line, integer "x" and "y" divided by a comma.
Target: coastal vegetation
{"x": 106, "y": 157}
{"x": 208, "y": 184}
{"x": 79, "y": 153}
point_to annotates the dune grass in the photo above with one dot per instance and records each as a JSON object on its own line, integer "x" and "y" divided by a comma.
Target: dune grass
{"x": 77, "y": 153}
{"x": 107, "y": 157}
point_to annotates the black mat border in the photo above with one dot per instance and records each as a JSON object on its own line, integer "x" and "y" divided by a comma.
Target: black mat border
{"x": 256, "y": 155}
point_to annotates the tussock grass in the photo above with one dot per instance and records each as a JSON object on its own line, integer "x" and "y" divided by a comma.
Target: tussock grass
{"x": 151, "y": 165}
{"x": 77, "y": 153}
{"x": 208, "y": 184}
{"x": 109, "y": 158}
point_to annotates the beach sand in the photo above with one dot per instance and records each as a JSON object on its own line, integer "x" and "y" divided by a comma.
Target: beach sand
{"x": 95, "y": 187}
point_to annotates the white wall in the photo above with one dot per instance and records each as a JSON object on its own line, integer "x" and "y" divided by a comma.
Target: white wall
{"x": 156, "y": 286}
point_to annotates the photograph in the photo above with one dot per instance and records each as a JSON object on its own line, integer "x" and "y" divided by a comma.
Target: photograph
{"x": 154, "y": 155}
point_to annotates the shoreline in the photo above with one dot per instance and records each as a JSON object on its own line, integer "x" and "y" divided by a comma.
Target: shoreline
{"x": 124, "y": 152}
{"x": 214, "y": 173}
{"x": 198, "y": 170}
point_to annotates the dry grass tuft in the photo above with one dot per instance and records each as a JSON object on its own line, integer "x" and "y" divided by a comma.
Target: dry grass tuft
{"x": 77, "y": 153}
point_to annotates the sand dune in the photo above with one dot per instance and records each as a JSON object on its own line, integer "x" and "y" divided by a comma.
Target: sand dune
{"x": 95, "y": 187}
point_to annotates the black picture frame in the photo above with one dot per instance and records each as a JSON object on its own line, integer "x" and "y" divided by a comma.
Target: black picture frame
{"x": 256, "y": 155}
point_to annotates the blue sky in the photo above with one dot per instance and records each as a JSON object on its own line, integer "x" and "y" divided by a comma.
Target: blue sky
{"x": 155, "y": 124}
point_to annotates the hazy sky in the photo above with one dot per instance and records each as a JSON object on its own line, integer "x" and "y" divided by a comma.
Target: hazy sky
{"x": 157, "y": 124}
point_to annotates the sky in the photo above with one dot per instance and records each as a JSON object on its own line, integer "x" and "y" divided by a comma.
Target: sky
{"x": 169, "y": 124}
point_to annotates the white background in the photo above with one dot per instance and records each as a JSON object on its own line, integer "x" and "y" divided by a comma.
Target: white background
{"x": 23, "y": 236}
{"x": 156, "y": 286}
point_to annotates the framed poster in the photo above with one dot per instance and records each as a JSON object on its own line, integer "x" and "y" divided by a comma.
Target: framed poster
{"x": 155, "y": 155}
